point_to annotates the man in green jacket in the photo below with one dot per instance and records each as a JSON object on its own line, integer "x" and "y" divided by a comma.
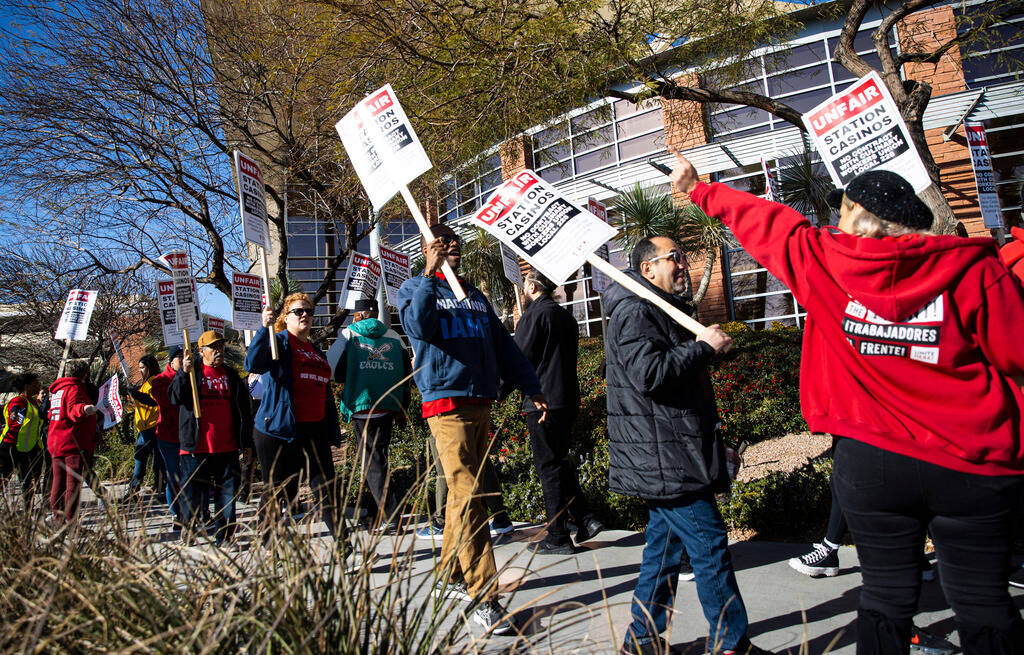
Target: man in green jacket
{"x": 374, "y": 366}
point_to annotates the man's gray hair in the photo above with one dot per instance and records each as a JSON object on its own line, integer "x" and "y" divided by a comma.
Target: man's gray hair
{"x": 544, "y": 285}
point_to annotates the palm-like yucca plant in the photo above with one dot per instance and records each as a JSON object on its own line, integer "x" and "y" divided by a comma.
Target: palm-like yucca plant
{"x": 481, "y": 265}
{"x": 804, "y": 186}
{"x": 701, "y": 234}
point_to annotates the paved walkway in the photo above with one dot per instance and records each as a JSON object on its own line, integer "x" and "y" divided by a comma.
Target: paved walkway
{"x": 580, "y": 603}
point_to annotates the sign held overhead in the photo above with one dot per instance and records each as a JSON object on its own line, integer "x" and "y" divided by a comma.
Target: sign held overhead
{"x": 74, "y": 319}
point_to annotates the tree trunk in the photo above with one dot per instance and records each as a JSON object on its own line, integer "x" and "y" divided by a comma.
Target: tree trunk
{"x": 705, "y": 279}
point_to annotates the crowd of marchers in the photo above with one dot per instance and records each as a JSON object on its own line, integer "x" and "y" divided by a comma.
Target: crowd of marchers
{"x": 911, "y": 359}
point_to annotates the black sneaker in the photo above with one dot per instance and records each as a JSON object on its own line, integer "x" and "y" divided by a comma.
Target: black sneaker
{"x": 1017, "y": 577}
{"x": 922, "y": 641}
{"x": 822, "y": 561}
{"x": 493, "y": 617}
{"x": 685, "y": 572}
{"x": 590, "y": 528}
{"x": 544, "y": 547}
{"x": 657, "y": 646}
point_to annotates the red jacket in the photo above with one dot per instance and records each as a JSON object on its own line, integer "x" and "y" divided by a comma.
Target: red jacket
{"x": 167, "y": 426}
{"x": 71, "y": 430}
{"x": 910, "y": 342}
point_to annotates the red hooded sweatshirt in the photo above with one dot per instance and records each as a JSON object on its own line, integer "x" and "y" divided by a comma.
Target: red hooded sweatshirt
{"x": 71, "y": 430}
{"x": 909, "y": 343}
{"x": 167, "y": 426}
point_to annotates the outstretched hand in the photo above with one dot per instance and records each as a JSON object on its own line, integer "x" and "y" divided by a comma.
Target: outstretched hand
{"x": 684, "y": 175}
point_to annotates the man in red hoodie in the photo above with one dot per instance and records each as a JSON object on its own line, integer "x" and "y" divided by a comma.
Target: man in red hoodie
{"x": 71, "y": 439}
{"x": 167, "y": 429}
{"x": 909, "y": 350}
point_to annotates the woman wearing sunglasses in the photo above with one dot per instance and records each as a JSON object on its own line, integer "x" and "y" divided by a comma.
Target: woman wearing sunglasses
{"x": 297, "y": 422}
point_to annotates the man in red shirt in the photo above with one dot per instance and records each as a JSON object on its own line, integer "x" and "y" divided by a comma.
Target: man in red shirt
{"x": 167, "y": 428}
{"x": 208, "y": 455}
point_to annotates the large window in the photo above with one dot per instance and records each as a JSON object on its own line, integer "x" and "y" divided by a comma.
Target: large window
{"x": 464, "y": 192}
{"x": 1006, "y": 143}
{"x": 995, "y": 54}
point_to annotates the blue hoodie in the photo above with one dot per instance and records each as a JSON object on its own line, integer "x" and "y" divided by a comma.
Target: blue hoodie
{"x": 460, "y": 348}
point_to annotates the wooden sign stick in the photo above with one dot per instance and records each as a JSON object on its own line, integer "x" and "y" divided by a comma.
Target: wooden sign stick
{"x": 266, "y": 290}
{"x": 632, "y": 285}
{"x": 192, "y": 376}
{"x": 421, "y": 222}
{"x": 64, "y": 358}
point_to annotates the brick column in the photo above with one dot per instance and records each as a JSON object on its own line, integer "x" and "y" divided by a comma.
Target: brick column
{"x": 926, "y": 31}
{"x": 516, "y": 156}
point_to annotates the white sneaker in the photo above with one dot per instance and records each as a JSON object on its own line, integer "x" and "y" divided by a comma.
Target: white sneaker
{"x": 493, "y": 617}
{"x": 451, "y": 591}
{"x": 822, "y": 561}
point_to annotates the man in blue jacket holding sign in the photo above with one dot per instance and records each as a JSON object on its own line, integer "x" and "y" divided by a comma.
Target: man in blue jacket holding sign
{"x": 461, "y": 351}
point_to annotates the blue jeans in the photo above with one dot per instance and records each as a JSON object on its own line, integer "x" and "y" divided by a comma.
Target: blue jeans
{"x": 202, "y": 473}
{"x": 169, "y": 455}
{"x": 143, "y": 449}
{"x": 690, "y": 525}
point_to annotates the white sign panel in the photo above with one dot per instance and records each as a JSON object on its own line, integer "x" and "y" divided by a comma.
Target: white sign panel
{"x": 542, "y": 226}
{"x": 984, "y": 178}
{"x": 215, "y": 324}
{"x": 168, "y": 314}
{"x": 382, "y": 145}
{"x": 74, "y": 320}
{"x": 771, "y": 186}
{"x": 186, "y": 298}
{"x": 510, "y": 263}
{"x": 861, "y": 129}
{"x": 361, "y": 280}
{"x": 395, "y": 268}
{"x": 598, "y": 280}
{"x": 252, "y": 201}
{"x": 120, "y": 355}
{"x": 246, "y": 301}
{"x": 109, "y": 405}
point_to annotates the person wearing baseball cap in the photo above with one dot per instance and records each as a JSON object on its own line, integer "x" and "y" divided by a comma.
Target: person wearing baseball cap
{"x": 209, "y": 443}
{"x": 909, "y": 349}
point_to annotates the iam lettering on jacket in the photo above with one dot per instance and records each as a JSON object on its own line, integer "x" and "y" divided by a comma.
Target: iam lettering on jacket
{"x": 469, "y": 321}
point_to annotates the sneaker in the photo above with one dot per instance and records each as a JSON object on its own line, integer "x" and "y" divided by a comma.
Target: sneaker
{"x": 451, "y": 591}
{"x": 590, "y": 528}
{"x": 657, "y": 646}
{"x": 431, "y": 531}
{"x": 1017, "y": 577}
{"x": 388, "y": 527}
{"x": 544, "y": 547}
{"x": 922, "y": 641}
{"x": 685, "y": 572}
{"x": 493, "y": 617}
{"x": 498, "y": 530}
{"x": 748, "y": 649}
{"x": 822, "y": 561}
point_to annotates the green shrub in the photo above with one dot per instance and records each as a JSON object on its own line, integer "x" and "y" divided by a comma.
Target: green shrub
{"x": 782, "y": 505}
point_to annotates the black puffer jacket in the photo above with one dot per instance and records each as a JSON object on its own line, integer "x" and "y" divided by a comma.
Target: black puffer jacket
{"x": 661, "y": 405}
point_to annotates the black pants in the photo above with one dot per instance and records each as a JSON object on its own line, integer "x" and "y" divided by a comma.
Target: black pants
{"x": 307, "y": 458}
{"x": 559, "y": 478}
{"x": 374, "y": 438}
{"x": 889, "y": 501}
{"x": 29, "y": 467}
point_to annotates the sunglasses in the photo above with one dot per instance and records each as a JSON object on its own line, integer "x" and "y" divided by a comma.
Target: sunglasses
{"x": 674, "y": 255}
{"x": 301, "y": 311}
{"x": 449, "y": 239}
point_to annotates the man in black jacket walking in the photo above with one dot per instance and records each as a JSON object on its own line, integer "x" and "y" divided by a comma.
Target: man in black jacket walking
{"x": 664, "y": 448}
{"x": 549, "y": 337}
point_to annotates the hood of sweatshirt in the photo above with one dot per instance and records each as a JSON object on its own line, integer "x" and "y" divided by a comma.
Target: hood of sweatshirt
{"x": 369, "y": 327}
{"x": 65, "y": 383}
{"x": 896, "y": 276}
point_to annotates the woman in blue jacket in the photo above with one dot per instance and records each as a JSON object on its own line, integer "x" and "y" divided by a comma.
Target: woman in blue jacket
{"x": 297, "y": 422}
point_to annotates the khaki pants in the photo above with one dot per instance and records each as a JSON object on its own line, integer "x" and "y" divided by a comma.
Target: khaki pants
{"x": 462, "y": 443}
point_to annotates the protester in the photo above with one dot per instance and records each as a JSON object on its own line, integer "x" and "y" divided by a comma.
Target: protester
{"x": 147, "y": 415}
{"x": 297, "y": 422}
{"x": 664, "y": 447}
{"x": 374, "y": 367}
{"x": 71, "y": 439}
{"x": 21, "y": 443}
{"x": 209, "y": 444}
{"x": 167, "y": 444}
{"x": 549, "y": 337}
{"x": 908, "y": 350}
{"x": 462, "y": 350}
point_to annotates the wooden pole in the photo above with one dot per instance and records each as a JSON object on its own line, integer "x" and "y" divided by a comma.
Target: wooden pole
{"x": 632, "y": 285}
{"x": 192, "y": 376}
{"x": 64, "y": 358}
{"x": 266, "y": 290}
{"x": 421, "y": 222}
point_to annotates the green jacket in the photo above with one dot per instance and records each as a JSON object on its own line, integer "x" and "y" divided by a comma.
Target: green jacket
{"x": 375, "y": 368}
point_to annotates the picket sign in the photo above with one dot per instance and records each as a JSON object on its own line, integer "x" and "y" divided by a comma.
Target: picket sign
{"x": 361, "y": 280}
{"x": 387, "y": 155}
{"x": 556, "y": 237}
{"x": 246, "y": 302}
{"x": 74, "y": 321}
{"x": 187, "y": 307}
{"x": 109, "y": 405}
{"x": 252, "y": 205}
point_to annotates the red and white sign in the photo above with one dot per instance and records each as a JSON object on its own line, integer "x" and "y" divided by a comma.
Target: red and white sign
{"x": 382, "y": 145}
{"x": 542, "y": 226}
{"x": 252, "y": 201}
{"x": 109, "y": 405}
{"x": 984, "y": 178}
{"x": 771, "y": 186}
{"x": 74, "y": 319}
{"x": 186, "y": 296}
{"x": 861, "y": 129}
{"x": 168, "y": 313}
{"x": 215, "y": 324}
{"x": 395, "y": 268}
{"x": 361, "y": 280}
{"x": 598, "y": 280}
{"x": 247, "y": 301}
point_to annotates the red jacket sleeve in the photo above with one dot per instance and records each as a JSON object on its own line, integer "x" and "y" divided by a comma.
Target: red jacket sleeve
{"x": 15, "y": 417}
{"x": 777, "y": 236}
{"x": 75, "y": 402}
{"x": 999, "y": 319}
{"x": 159, "y": 388}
